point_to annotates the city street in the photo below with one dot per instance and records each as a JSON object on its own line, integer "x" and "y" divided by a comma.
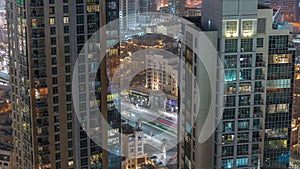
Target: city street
{"x": 131, "y": 115}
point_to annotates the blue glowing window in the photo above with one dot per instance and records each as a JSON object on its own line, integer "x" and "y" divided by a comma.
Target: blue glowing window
{"x": 240, "y": 162}
{"x": 227, "y": 163}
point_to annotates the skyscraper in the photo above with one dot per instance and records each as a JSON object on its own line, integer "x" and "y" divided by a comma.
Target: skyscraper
{"x": 254, "y": 89}
{"x": 44, "y": 40}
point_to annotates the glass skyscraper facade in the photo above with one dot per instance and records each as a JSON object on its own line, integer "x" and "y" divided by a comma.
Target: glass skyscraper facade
{"x": 48, "y": 36}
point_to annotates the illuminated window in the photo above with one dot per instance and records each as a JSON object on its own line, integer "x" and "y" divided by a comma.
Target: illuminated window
{"x": 227, "y": 163}
{"x": 247, "y": 28}
{"x": 243, "y": 125}
{"x": 280, "y": 58}
{"x": 230, "y": 75}
{"x": 228, "y": 127}
{"x": 245, "y": 87}
{"x": 230, "y": 88}
{"x": 241, "y": 162}
{"x": 93, "y": 8}
{"x": 231, "y": 28}
{"x": 227, "y": 139}
{"x": 52, "y": 21}
{"x": 66, "y": 19}
{"x": 34, "y": 22}
{"x": 246, "y": 61}
{"x": 276, "y": 144}
{"x": 282, "y": 83}
{"x": 278, "y": 108}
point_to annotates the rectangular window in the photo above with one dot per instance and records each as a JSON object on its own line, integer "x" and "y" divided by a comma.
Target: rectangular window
{"x": 53, "y": 51}
{"x": 54, "y": 80}
{"x": 67, "y": 49}
{"x": 52, "y": 10}
{"x": 68, "y": 88}
{"x": 55, "y": 99}
{"x": 231, "y": 28}
{"x": 261, "y": 25}
{"x": 66, "y": 29}
{"x": 93, "y": 8}
{"x": 55, "y": 90}
{"x": 66, "y": 39}
{"x": 68, "y": 69}
{"x": 228, "y": 127}
{"x": 231, "y": 45}
{"x": 247, "y": 27}
{"x": 52, "y": 21}
{"x": 227, "y": 163}
{"x": 80, "y": 19}
{"x": 54, "y": 70}
{"x": 54, "y": 61}
{"x": 260, "y": 43}
{"x": 66, "y": 19}
{"x": 52, "y": 30}
{"x": 79, "y": 9}
{"x": 67, "y": 59}
{"x": 227, "y": 151}
{"x": 230, "y": 61}
{"x": 245, "y": 60}
{"x": 246, "y": 45}
{"x": 66, "y": 9}
{"x": 241, "y": 162}
{"x": 243, "y": 125}
{"x": 228, "y": 114}
{"x": 230, "y": 75}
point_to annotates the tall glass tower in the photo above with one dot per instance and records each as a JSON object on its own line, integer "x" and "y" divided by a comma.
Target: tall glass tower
{"x": 45, "y": 38}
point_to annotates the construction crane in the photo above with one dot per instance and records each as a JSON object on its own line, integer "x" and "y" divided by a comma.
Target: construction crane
{"x": 278, "y": 11}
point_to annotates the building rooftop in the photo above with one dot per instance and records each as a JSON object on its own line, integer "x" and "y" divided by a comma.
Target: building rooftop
{"x": 196, "y": 20}
{"x": 261, "y": 6}
{"x": 127, "y": 129}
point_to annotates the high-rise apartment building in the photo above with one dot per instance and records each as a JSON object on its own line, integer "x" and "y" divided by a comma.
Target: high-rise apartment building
{"x": 254, "y": 89}
{"x": 45, "y": 38}
{"x": 198, "y": 61}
